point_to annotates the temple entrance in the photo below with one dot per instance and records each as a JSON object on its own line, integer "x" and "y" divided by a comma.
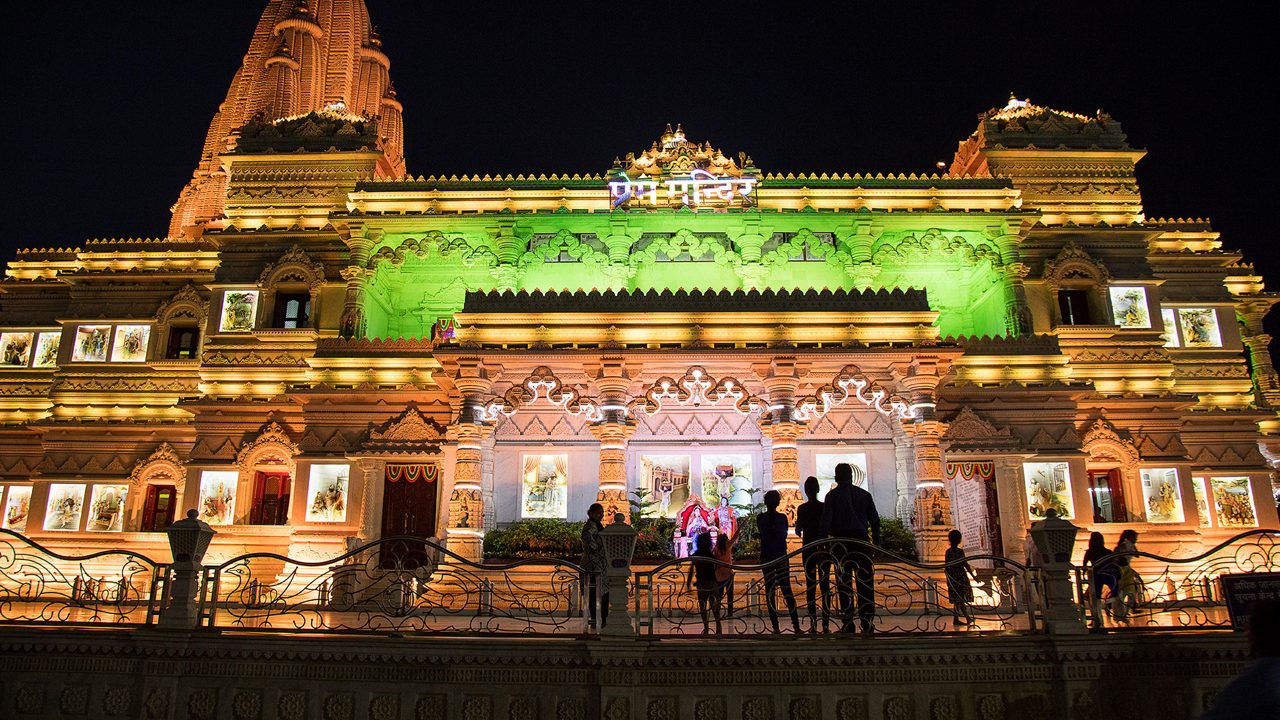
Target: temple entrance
{"x": 270, "y": 499}
{"x": 157, "y": 511}
{"x": 409, "y": 498}
{"x": 974, "y": 506}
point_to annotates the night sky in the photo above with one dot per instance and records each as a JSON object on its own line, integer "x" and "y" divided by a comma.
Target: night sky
{"x": 108, "y": 103}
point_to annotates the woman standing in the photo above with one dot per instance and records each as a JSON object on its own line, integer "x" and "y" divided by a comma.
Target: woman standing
{"x": 724, "y": 575}
{"x": 959, "y": 588}
{"x": 1103, "y": 572}
{"x": 594, "y": 564}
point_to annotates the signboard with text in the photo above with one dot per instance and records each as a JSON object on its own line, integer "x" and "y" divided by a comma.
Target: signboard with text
{"x": 1244, "y": 589}
{"x": 699, "y": 189}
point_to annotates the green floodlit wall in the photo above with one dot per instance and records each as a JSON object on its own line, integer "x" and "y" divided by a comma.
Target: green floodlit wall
{"x": 422, "y": 276}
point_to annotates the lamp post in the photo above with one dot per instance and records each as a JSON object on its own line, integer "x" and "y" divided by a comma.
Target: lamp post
{"x": 619, "y": 546}
{"x": 1055, "y": 538}
{"x": 188, "y": 541}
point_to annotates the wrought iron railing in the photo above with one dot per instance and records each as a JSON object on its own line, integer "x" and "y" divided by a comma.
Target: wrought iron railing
{"x": 38, "y": 585}
{"x": 1172, "y": 593}
{"x": 396, "y": 585}
{"x": 909, "y": 596}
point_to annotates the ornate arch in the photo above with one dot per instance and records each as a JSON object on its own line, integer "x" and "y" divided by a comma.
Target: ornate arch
{"x": 803, "y": 238}
{"x": 1074, "y": 264}
{"x": 564, "y": 241}
{"x": 851, "y": 383}
{"x": 162, "y": 466}
{"x": 542, "y": 383}
{"x": 434, "y": 244}
{"x": 1104, "y": 444}
{"x": 294, "y": 266}
{"x": 272, "y": 447}
{"x": 697, "y": 387}
{"x": 685, "y": 241}
{"x": 187, "y": 306}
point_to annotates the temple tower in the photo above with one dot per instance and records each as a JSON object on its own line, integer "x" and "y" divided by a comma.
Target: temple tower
{"x": 305, "y": 55}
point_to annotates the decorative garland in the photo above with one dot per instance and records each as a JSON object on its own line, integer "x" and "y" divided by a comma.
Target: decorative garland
{"x": 971, "y": 470}
{"x": 413, "y": 473}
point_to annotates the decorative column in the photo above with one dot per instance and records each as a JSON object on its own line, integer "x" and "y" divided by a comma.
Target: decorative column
{"x": 750, "y": 243}
{"x": 508, "y": 247}
{"x": 372, "y": 474}
{"x": 465, "y": 534}
{"x": 1265, "y": 383}
{"x": 1012, "y": 497}
{"x": 1017, "y": 320}
{"x": 783, "y": 431}
{"x": 857, "y": 241}
{"x": 613, "y": 431}
{"x": 932, "y": 505}
{"x": 360, "y": 245}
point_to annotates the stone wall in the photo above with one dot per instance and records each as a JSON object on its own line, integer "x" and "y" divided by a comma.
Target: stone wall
{"x": 68, "y": 673}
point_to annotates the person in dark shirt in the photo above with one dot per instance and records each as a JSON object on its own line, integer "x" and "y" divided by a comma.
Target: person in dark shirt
{"x": 1103, "y": 573}
{"x": 703, "y": 570}
{"x": 817, "y": 557}
{"x": 773, "y": 547}
{"x": 848, "y": 514}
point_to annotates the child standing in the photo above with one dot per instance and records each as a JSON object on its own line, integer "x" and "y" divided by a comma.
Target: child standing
{"x": 709, "y": 588}
{"x": 959, "y": 589}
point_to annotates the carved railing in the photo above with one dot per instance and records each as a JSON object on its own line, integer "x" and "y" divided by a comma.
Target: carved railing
{"x": 1173, "y": 593}
{"x": 396, "y": 585}
{"x": 112, "y": 587}
{"x": 909, "y": 596}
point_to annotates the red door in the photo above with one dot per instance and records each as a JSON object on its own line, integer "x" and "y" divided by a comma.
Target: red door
{"x": 270, "y": 499}
{"x": 157, "y": 511}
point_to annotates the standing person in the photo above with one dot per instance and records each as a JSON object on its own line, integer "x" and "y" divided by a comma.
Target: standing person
{"x": 849, "y": 513}
{"x": 773, "y": 546}
{"x": 817, "y": 558}
{"x": 1130, "y": 580}
{"x": 709, "y": 587}
{"x": 1103, "y": 572}
{"x": 724, "y": 575}
{"x": 959, "y": 589}
{"x": 594, "y": 562}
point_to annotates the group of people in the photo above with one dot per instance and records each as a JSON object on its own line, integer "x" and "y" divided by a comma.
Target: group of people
{"x": 848, "y": 513}
{"x": 1112, "y": 570}
{"x": 828, "y": 529}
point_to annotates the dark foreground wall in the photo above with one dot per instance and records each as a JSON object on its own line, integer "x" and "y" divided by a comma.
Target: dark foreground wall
{"x": 57, "y": 673}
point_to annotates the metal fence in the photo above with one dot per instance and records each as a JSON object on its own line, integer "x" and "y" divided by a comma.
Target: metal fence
{"x": 909, "y": 596}
{"x": 112, "y": 587}
{"x": 1142, "y": 590}
{"x": 408, "y": 585}
{"x": 395, "y": 585}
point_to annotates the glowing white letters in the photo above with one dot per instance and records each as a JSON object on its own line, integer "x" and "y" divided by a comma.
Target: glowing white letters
{"x": 700, "y": 188}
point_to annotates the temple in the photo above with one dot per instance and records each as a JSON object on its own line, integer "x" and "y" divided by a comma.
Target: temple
{"x": 326, "y": 347}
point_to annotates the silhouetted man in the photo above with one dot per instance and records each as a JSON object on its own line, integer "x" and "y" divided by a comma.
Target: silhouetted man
{"x": 817, "y": 558}
{"x": 772, "y": 526}
{"x": 848, "y": 513}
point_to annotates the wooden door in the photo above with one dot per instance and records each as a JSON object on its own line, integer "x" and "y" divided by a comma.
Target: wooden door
{"x": 157, "y": 511}
{"x": 409, "y": 509}
{"x": 270, "y": 499}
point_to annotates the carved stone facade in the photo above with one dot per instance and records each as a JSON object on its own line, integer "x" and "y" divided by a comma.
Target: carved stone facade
{"x": 89, "y": 674}
{"x": 727, "y": 336}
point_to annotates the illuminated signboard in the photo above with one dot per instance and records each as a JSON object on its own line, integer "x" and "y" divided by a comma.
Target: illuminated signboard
{"x": 700, "y": 188}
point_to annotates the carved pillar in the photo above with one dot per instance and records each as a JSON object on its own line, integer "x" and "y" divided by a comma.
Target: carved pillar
{"x": 905, "y": 475}
{"x": 1017, "y": 318}
{"x": 371, "y": 477}
{"x": 783, "y": 431}
{"x": 932, "y": 504}
{"x": 857, "y": 241}
{"x": 508, "y": 247}
{"x": 1012, "y": 498}
{"x": 750, "y": 243}
{"x": 613, "y": 431}
{"x": 360, "y": 245}
{"x": 465, "y": 534}
{"x": 1265, "y": 382}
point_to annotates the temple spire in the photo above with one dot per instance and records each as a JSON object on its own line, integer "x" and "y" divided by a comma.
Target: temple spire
{"x": 303, "y": 57}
